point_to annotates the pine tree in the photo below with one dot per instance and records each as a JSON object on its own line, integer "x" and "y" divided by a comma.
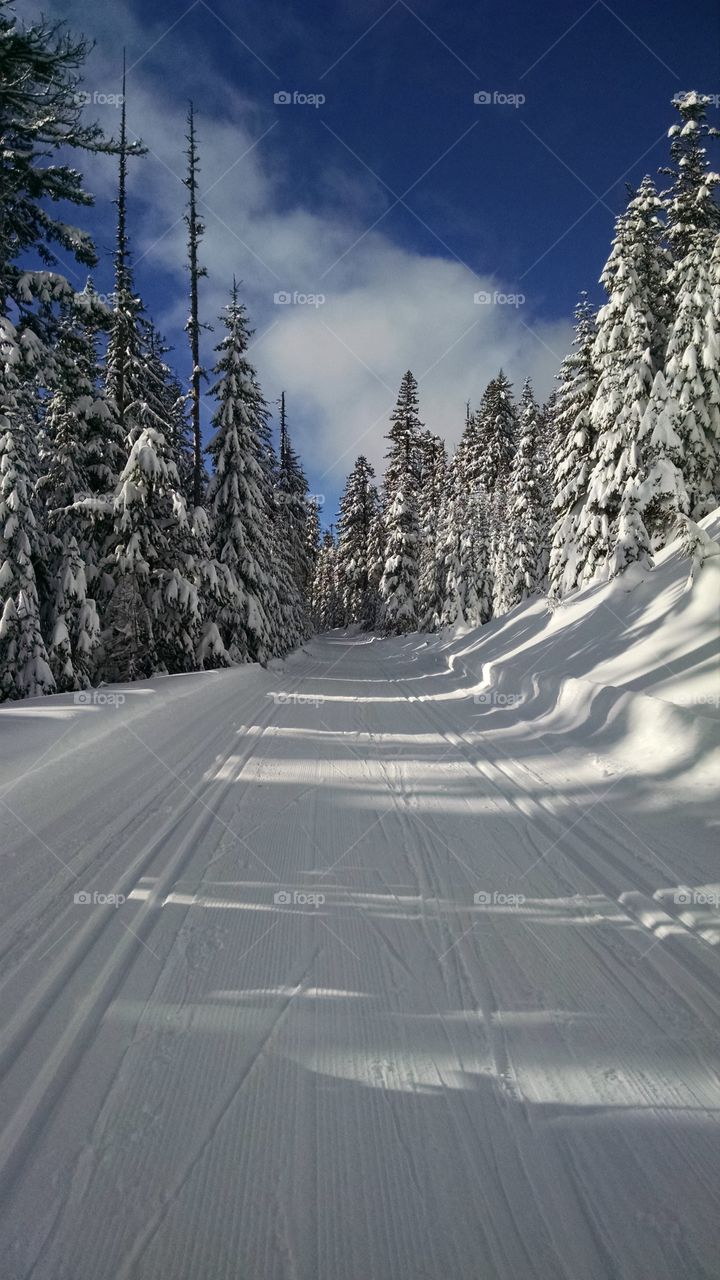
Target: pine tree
{"x": 433, "y": 476}
{"x": 312, "y": 546}
{"x": 404, "y": 436}
{"x": 81, "y": 445}
{"x": 40, "y": 114}
{"x": 663, "y": 493}
{"x": 692, "y": 360}
{"x": 488, "y": 442}
{"x": 150, "y": 531}
{"x": 522, "y": 551}
{"x": 400, "y": 578}
{"x": 24, "y": 669}
{"x": 574, "y": 436}
{"x": 463, "y": 553}
{"x": 325, "y": 603}
{"x": 399, "y": 583}
{"x": 358, "y": 508}
{"x": 75, "y": 634}
{"x": 627, "y": 352}
{"x": 693, "y": 214}
{"x": 157, "y": 399}
{"x": 239, "y": 496}
{"x": 123, "y": 346}
{"x": 372, "y": 615}
{"x": 291, "y": 499}
{"x": 195, "y": 232}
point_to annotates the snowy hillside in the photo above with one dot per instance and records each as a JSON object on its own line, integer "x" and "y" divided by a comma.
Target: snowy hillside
{"x": 632, "y": 665}
{"x": 397, "y": 959}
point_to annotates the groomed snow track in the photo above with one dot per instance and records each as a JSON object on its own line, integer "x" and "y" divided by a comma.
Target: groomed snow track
{"x": 399, "y": 988}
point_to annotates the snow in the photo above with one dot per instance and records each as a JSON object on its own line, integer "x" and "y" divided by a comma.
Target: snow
{"x": 400, "y": 957}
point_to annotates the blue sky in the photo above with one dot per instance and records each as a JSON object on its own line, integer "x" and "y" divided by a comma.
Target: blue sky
{"x": 399, "y": 197}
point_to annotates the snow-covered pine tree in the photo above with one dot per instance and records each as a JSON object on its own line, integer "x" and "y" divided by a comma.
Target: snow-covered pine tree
{"x": 522, "y": 553}
{"x": 463, "y": 553}
{"x": 75, "y": 634}
{"x": 404, "y": 438}
{"x": 399, "y": 582}
{"x": 81, "y": 449}
{"x": 693, "y": 213}
{"x": 400, "y": 578}
{"x": 291, "y": 493}
{"x": 312, "y": 545}
{"x": 358, "y": 508}
{"x": 40, "y": 114}
{"x": 24, "y": 668}
{"x": 372, "y": 617}
{"x": 151, "y": 551}
{"x": 574, "y": 436}
{"x": 692, "y": 358}
{"x": 662, "y": 493}
{"x": 197, "y": 272}
{"x": 433, "y": 476}
{"x": 239, "y": 496}
{"x": 160, "y": 390}
{"x": 488, "y": 442}
{"x": 627, "y": 353}
{"x": 325, "y": 604}
{"x": 123, "y": 345}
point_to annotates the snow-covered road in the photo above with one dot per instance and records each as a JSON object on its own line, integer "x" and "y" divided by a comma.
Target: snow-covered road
{"x": 388, "y": 995}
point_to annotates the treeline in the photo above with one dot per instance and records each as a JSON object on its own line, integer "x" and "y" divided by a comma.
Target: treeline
{"x": 549, "y": 498}
{"x": 119, "y": 555}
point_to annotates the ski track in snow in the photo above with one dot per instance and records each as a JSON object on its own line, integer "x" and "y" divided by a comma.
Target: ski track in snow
{"x": 207, "y": 1083}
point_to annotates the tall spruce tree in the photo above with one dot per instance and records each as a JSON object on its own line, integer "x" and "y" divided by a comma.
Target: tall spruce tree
{"x": 123, "y": 343}
{"x": 400, "y": 578}
{"x": 488, "y": 442}
{"x": 574, "y": 435}
{"x": 692, "y": 359}
{"x": 151, "y": 559}
{"x": 40, "y": 115}
{"x": 433, "y": 477}
{"x": 326, "y": 607}
{"x": 521, "y": 540}
{"x": 359, "y": 505}
{"x": 463, "y": 552}
{"x": 197, "y": 272}
{"x": 404, "y": 438}
{"x": 239, "y": 498}
{"x": 291, "y": 498}
{"x": 628, "y": 351}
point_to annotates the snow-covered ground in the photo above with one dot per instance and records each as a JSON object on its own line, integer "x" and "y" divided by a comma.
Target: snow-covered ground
{"x": 412, "y": 969}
